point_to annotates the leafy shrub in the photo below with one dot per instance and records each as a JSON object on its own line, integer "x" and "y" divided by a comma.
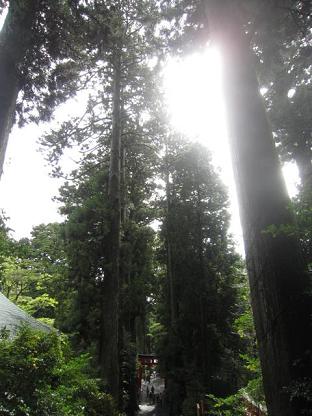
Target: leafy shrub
{"x": 227, "y": 406}
{"x": 40, "y": 376}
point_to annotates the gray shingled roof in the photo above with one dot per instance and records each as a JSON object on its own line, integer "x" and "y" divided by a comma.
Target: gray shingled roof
{"x": 12, "y": 317}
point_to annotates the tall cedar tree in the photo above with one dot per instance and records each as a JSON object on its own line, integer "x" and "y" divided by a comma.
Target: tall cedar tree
{"x": 15, "y": 41}
{"x": 43, "y": 46}
{"x": 121, "y": 78}
{"x": 283, "y": 46}
{"x": 200, "y": 347}
{"x": 278, "y": 279}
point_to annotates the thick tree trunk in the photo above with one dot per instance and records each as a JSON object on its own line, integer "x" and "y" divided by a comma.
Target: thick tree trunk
{"x": 276, "y": 272}
{"x": 15, "y": 40}
{"x": 109, "y": 347}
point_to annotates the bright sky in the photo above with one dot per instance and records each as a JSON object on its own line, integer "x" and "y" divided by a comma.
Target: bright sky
{"x": 26, "y": 188}
{"x": 196, "y": 107}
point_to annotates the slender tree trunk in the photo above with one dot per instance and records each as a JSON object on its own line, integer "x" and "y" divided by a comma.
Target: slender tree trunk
{"x": 15, "y": 41}
{"x": 83, "y": 305}
{"x": 276, "y": 271}
{"x": 172, "y": 300}
{"x": 127, "y": 325}
{"x": 199, "y": 232}
{"x": 109, "y": 348}
{"x": 123, "y": 184}
{"x": 140, "y": 330}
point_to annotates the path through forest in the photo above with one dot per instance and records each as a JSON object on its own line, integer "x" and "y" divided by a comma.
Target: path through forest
{"x": 147, "y": 407}
{"x": 152, "y": 410}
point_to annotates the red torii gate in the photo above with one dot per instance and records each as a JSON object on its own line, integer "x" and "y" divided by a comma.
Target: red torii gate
{"x": 145, "y": 360}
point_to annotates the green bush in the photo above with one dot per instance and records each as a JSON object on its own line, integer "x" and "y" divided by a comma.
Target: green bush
{"x": 227, "y": 406}
{"x": 40, "y": 376}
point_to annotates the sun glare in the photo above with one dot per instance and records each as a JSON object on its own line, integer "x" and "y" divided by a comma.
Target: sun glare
{"x": 193, "y": 90}
{"x": 3, "y": 16}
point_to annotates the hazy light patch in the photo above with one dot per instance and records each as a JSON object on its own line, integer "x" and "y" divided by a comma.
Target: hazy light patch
{"x": 291, "y": 175}
{"x": 193, "y": 92}
{"x": 146, "y": 408}
{"x": 3, "y": 16}
{"x": 263, "y": 90}
{"x": 196, "y": 108}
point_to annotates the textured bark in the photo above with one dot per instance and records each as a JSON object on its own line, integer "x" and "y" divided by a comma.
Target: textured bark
{"x": 15, "y": 41}
{"x": 170, "y": 277}
{"x": 203, "y": 359}
{"x": 110, "y": 305}
{"x": 123, "y": 185}
{"x": 276, "y": 271}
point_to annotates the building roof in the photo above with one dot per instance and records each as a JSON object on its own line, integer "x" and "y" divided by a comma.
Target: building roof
{"x": 12, "y": 317}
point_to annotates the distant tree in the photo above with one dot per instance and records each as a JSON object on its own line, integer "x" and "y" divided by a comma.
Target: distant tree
{"x": 5, "y": 244}
{"x": 34, "y": 274}
{"x": 199, "y": 350}
{"x": 284, "y": 68}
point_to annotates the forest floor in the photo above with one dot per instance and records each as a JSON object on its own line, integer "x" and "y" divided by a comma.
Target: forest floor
{"x": 147, "y": 409}
{"x": 152, "y": 410}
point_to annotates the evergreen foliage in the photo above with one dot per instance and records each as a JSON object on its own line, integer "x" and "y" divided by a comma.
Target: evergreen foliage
{"x": 199, "y": 351}
{"x": 143, "y": 261}
{"x": 40, "y": 376}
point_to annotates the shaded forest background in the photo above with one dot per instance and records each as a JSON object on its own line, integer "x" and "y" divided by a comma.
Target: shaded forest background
{"x": 143, "y": 261}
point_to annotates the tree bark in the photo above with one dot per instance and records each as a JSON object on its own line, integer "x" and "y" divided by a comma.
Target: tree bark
{"x": 170, "y": 277}
{"x": 110, "y": 302}
{"x": 277, "y": 277}
{"x": 15, "y": 41}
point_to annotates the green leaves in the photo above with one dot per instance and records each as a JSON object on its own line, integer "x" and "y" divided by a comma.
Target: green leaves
{"x": 33, "y": 273}
{"x": 228, "y": 406}
{"x": 39, "y": 376}
{"x": 198, "y": 348}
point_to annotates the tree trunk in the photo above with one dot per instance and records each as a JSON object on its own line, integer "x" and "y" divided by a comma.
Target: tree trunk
{"x": 109, "y": 348}
{"x": 170, "y": 277}
{"x": 203, "y": 324}
{"x": 15, "y": 41}
{"x": 277, "y": 277}
{"x": 123, "y": 187}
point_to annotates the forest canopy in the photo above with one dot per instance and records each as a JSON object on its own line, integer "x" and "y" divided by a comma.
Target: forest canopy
{"x": 143, "y": 261}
